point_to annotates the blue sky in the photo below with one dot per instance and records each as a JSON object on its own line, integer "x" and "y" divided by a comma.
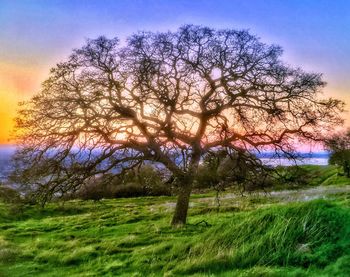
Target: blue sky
{"x": 47, "y": 28}
{"x": 36, "y": 34}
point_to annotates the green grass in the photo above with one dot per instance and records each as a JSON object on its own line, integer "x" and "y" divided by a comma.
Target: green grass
{"x": 325, "y": 175}
{"x": 305, "y": 176}
{"x": 132, "y": 237}
{"x": 255, "y": 235}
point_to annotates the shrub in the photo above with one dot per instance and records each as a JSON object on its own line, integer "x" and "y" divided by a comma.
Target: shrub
{"x": 144, "y": 181}
{"x": 12, "y": 199}
{"x": 293, "y": 176}
{"x": 94, "y": 189}
{"x": 240, "y": 168}
{"x": 9, "y": 195}
{"x": 129, "y": 190}
{"x": 160, "y": 190}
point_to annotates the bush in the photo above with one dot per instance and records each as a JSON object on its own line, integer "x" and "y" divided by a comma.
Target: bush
{"x": 95, "y": 189}
{"x": 9, "y": 195}
{"x": 222, "y": 169}
{"x": 206, "y": 178}
{"x": 12, "y": 199}
{"x": 293, "y": 176}
{"x": 144, "y": 181}
{"x": 129, "y": 190}
{"x": 161, "y": 190}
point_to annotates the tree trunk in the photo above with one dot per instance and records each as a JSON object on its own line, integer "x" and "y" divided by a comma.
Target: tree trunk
{"x": 185, "y": 184}
{"x": 183, "y": 199}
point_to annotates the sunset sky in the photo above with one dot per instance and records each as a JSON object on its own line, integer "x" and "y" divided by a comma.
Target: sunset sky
{"x": 36, "y": 34}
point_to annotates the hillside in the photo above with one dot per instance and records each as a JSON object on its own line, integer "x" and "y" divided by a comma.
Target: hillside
{"x": 281, "y": 234}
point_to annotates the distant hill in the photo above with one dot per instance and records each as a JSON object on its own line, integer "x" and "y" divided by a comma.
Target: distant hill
{"x": 320, "y": 154}
{"x": 321, "y": 158}
{"x": 6, "y": 151}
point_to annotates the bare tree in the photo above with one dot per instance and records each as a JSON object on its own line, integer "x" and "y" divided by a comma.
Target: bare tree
{"x": 167, "y": 98}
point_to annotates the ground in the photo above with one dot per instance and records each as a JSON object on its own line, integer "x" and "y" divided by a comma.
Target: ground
{"x": 303, "y": 232}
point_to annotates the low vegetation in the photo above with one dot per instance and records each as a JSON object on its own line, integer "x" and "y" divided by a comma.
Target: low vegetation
{"x": 309, "y": 175}
{"x": 148, "y": 181}
{"x": 255, "y": 235}
{"x": 143, "y": 181}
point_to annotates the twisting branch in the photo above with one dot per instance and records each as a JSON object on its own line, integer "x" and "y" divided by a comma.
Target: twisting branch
{"x": 167, "y": 98}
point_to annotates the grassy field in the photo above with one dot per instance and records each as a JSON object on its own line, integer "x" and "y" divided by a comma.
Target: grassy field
{"x": 325, "y": 175}
{"x": 280, "y": 234}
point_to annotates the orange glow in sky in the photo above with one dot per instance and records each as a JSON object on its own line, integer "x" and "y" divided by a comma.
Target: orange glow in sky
{"x": 17, "y": 83}
{"x": 36, "y": 34}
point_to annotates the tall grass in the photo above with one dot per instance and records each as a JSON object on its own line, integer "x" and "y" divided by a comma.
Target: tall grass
{"x": 298, "y": 235}
{"x": 249, "y": 236}
{"x": 132, "y": 237}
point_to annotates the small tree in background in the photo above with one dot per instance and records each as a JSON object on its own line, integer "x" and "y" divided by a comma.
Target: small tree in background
{"x": 168, "y": 98}
{"x": 339, "y": 146}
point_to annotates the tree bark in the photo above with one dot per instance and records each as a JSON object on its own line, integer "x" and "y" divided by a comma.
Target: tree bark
{"x": 183, "y": 199}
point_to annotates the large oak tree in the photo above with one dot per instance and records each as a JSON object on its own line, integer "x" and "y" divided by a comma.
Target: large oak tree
{"x": 167, "y": 98}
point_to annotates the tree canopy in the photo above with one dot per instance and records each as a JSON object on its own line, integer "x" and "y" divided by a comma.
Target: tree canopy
{"x": 167, "y": 98}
